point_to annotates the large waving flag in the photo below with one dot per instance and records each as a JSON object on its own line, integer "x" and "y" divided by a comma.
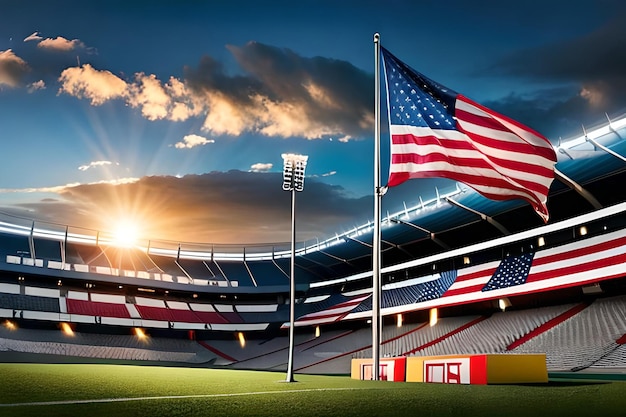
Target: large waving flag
{"x": 436, "y": 132}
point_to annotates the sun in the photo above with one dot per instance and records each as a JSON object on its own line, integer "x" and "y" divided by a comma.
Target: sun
{"x": 126, "y": 233}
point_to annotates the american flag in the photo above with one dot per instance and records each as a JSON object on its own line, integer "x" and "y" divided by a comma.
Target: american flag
{"x": 586, "y": 261}
{"x": 330, "y": 310}
{"x": 579, "y": 263}
{"x": 436, "y": 132}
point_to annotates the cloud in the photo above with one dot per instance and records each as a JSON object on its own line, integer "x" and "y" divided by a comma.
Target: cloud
{"x": 94, "y": 164}
{"x": 191, "y": 141}
{"x": 579, "y": 79}
{"x": 60, "y": 44}
{"x": 34, "y": 37}
{"x": 208, "y": 208}
{"x": 328, "y": 174}
{"x": 59, "y": 189}
{"x": 281, "y": 94}
{"x": 37, "y": 85}
{"x": 261, "y": 167}
{"x": 284, "y": 95}
{"x": 95, "y": 85}
{"x": 12, "y": 68}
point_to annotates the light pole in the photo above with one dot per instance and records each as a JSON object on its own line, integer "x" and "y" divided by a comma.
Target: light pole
{"x": 293, "y": 180}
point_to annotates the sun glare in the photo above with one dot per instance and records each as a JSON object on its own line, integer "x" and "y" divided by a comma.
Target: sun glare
{"x": 125, "y": 234}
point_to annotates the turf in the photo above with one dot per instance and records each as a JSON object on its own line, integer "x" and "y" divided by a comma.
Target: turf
{"x": 117, "y": 390}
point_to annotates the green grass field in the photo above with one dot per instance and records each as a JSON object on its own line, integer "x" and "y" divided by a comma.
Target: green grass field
{"x": 119, "y": 390}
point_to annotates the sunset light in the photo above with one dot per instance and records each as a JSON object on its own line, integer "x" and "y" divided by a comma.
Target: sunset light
{"x": 125, "y": 234}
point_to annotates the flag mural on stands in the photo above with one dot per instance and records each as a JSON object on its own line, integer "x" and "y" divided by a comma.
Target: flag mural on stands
{"x": 332, "y": 309}
{"x": 590, "y": 260}
{"x": 584, "y": 262}
{"x": 436, "y": 132}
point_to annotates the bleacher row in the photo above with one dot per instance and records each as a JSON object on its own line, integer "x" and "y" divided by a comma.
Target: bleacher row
{"x": 100, "y": 346}
{"x": 52, "y": 304}
{"x": 591, "y": 339}
{"x": 136, "y": 263}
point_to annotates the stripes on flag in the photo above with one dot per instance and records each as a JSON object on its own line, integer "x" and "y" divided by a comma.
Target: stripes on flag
{"x": 436, "y": 132}
{"x": 331, "y": 314}
{"x": 582, "y": 262}
{"x": 586, "y": 261}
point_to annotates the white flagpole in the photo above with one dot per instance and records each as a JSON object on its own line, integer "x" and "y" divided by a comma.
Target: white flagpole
{"x": 377, "y": 205}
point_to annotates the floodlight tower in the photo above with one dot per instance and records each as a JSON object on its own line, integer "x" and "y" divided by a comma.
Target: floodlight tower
{"x": 293, "y": 180}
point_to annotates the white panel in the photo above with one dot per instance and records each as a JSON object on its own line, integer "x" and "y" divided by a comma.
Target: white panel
{"x": 189, "y": 326}
{"x": 108, "y": 298}
{"x": 5, "y": 312}
{"x": 155, "y": 324}
{"x": 202, "y": 307}
{"x": 81, "y": 268}
{"x": 105, "y": 270}
{"x": 224, "y": 308}
{"x": 239, "y": 327}
{"x": 115, "y": 321}
{"x": 28, "y": 261}
{"x": 63, "y": 304}
{"x": 177, "y": 305}
{"x": 43, "y": 292}
{"x": 10, "y": 288}
{"x": 256, "y": 308}
{"x": 55, "y": 264}
{"x": 143, "y": 274}
{"x": 132, "y": 310}
{"x": 14, "y": 259}
{"x": 79, "y": 318}
{"x": 40, "y": 315}
{"x": 78, "y": 295}
{"x": 150, "y": 302}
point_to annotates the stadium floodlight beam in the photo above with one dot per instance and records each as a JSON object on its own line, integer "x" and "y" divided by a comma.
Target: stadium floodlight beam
{"x": 293, "y": 180}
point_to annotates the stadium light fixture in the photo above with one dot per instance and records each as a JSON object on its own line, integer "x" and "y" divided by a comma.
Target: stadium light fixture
{"x": 399, "y": 320}
{"x": 293, "y": 181}
{"x": 140, "y": 333}
{"x": 10, "y": 325}
{"x": 67, "y": 329}
{"x": 433, "y": 317}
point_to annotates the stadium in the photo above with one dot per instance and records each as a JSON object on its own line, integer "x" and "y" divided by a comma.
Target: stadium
{"x": 70, "y": 295}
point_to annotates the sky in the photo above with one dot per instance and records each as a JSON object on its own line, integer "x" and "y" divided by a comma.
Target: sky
{"x": 171, "y": 116}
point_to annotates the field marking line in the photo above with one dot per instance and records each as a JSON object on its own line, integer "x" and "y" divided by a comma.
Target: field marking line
{"x": 170, "y": 397}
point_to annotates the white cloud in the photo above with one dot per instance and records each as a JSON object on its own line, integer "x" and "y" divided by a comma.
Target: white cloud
{"x": 148, "y": 94}
{"x": 12, "y": 68}
{"x": 37, "y": 85}
{"x": 61, "y": 188}
{"x": 95, "y": 85}
{"x": 60, "y": 44}
{"x": 191, "y": 141}
{"x": 34, "y": 37}
{"x": 328, "y": 174}
{"x": 261, "y": 167}
{"x": 94, "y": 164}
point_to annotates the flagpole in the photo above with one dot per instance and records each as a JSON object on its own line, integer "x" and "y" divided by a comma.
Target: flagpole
{"x": 376, "y": 239}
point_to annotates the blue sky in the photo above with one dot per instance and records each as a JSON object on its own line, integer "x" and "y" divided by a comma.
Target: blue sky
{"x": 174, "y": 114}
